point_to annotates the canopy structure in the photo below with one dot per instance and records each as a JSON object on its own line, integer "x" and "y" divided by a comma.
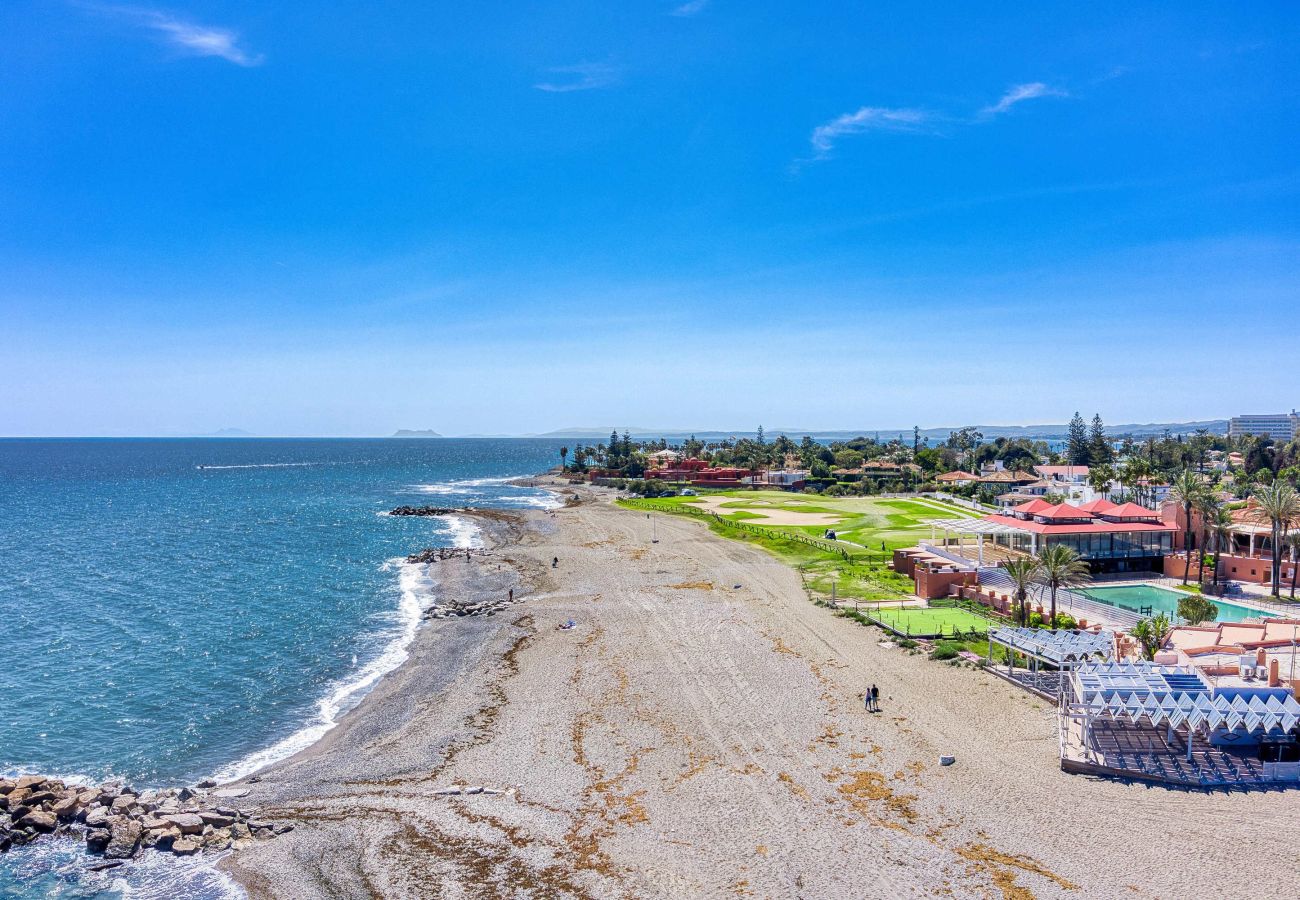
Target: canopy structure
{"x": 1013, "y": 538}
{"x": 1057, "y": 648}
{"x": 1146, "y": 696}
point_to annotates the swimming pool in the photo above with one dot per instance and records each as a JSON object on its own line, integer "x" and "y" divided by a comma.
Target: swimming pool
{"x": 1137, "y": 596}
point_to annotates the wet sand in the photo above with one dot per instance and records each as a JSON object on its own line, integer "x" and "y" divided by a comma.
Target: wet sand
{"x": 701, "y": 733}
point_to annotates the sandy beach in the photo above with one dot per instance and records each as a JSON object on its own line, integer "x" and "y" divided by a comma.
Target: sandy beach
{"x": 701, "y": 733}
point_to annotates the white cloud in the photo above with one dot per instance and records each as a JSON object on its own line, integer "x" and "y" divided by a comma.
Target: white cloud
{"x": 690, "y": 8}
{"x": 868, "y": 118}
{"x": 580, "y": 77}
{"x": 1020, "y": 93}
{"x": 191, "y": 38}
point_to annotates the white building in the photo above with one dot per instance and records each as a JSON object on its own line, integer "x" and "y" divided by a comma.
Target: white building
{"x": 1280, "y": 427}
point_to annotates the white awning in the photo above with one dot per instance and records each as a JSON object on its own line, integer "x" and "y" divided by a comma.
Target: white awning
{"x": 1056, "y": 647}
{"x": 973, "y": 526}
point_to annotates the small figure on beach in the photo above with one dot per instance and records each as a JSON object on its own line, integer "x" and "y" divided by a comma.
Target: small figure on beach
{"x": 466, "y": 554}
{"x": 555, "y": 561}
{"x": 866, "y": 700}
{"x": 875, "y": 699}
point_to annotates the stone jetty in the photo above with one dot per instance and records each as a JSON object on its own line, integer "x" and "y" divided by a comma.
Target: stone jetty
{"x": 424, "y": 511}
{"x": 119, "y": 822}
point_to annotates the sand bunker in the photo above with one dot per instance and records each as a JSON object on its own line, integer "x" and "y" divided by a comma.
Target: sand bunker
{"x": 767, "y": 516}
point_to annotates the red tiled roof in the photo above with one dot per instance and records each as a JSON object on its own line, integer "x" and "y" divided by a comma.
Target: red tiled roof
{"x": 1100, "y": 506}
{"x": 1092, "y": 527}
{"x": 1063, "y": 511}
{"x": 1130, "y": 511}
{"x": 957, "y": 476}
{"x": 1033, "y": 506}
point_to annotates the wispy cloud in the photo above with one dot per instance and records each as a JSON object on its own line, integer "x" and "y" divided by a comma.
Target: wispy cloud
{"x": 190, "y": 38}
{"x": 915, "y": 121}
{"x": 868, "y": 118}
{"x": 580, "y": 77}
{"x": 1019, "y": 94}
{"x": 690, "y": 8}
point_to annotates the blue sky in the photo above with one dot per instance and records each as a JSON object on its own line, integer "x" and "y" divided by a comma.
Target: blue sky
{"x": 300, "y": 219}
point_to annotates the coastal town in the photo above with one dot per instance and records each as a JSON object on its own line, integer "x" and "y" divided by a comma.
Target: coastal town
{"x": 1147, "y": 588}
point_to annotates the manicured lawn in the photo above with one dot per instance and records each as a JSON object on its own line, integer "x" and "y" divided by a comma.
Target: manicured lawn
{"x": 928, "y": 621}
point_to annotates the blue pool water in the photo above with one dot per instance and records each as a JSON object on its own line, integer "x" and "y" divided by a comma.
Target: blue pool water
{"x": 1136, "y": 597}
{"x": 176, "y": 609}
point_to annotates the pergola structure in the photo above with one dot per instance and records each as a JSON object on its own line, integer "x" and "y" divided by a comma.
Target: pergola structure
{"x": 1062, "y": 649}
{"x": 1015, "y": 542}
{"x": 1110, "y": 697}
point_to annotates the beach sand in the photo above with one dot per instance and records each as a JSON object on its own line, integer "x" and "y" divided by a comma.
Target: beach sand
{"x": 701, "y": 733}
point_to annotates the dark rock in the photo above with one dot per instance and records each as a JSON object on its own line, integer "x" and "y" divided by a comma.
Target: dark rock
{"x": 105, "y": 866}
{"x": 422, "y": 511}
{"x": 97, "y": 839}
{"x": 283, "y": 828}
{"x": 125, "y": 836}
{"x": 207, "y": 783}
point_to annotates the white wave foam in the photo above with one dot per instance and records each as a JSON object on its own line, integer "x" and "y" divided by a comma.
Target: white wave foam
{"x": 462, "y": 486}
{"x": 463, "y": 532}
{"x": 547, "y": 501}
{"x": 288, "y": 465}
{"x": 416, "y": 594}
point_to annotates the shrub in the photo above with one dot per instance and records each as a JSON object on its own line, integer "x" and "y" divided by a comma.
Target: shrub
{"x": 907, "y": 643}
{"x": 1035, "y": 620}
{"x": 1195, "y": 610}
{"x": 1065, "y": 620}
{"x": 946, "y": 650}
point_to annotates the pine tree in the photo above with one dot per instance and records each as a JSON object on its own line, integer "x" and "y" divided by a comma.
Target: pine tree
{"x": 759, "y": 440}
{"x": 1076, "y": 447}
{"x": 1098, "y": 447}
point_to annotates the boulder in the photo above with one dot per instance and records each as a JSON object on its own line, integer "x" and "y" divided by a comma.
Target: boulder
{"x": 66, "y": 808}
{"x": 188, "y": 823}
{"x": 29, "y": 782}
{"x": 39, "y": 820}
{"x": 947, "y": 760}
{"x": 96, "y": 817}
{"x": 207, "y": 783}
{"x": 97, "y": 839}
{"x": 216, "y": 819}
{"x": 283, "y": 828}
{"x": 122, "y": 804}
{"x": 217, "y": 839}
{"x": 6, "y": 785}
{"x": 40, "y": 797}
{"x": 125, "y": 836}
{"x": 185, "y": 846}
{"x": 105, "y": 866}
{"x": 186, "y": 793}
{"x": 160, "y": 838}
{"x": 231, "y": 793}
{"x": 17, "y": 797}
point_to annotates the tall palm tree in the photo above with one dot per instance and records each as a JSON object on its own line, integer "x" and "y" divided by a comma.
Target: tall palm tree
{"x": 1279, "y": 505}
{"x": 1208, "y": 506}
{"x": 1060, "y": 566}
{"x": 564, "y": 455}
{"x": 1186, "y": 490}
{"x": 1023, "y": 571}
{"x": 1219, "y": 528}
{"x": 1293, "y": 541}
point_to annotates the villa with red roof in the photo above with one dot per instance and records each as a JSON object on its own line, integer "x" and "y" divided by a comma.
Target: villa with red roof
{"x": 1110, "y": 537}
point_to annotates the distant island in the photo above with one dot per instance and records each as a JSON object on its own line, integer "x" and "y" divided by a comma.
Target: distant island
{"x": 416, "y": 433}
{"x": 230, "y": 432}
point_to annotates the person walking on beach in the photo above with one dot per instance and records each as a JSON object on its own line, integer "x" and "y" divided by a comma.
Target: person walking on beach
{"x": 875, "y": 699}
{"x": 866, "y": 700}
{"x": 555, "y": 561}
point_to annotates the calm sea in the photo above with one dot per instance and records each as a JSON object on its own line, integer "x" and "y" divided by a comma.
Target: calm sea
{"x": 178, "y": 609}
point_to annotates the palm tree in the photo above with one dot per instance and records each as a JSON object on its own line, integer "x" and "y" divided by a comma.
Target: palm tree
{"x": 1186, "y": 490}
{"x": 564, "y": 454}
{"x": 1208, "y": 507}
{"x": 1219, "y": 529}
{"x": 1279, "y": 505}
{"x": 1152, "y": 634}
{"x": 1059, "y": 566}
{"x": 1293, "y": 541}
{"x": 1023, "y": 571}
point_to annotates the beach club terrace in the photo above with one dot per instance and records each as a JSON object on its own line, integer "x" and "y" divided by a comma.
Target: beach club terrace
{"x": 1110, "y": 537}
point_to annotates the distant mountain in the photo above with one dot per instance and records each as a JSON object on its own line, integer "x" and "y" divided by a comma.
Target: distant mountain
{"x": 230, "y": 432}
{"x": 418, "y": 433}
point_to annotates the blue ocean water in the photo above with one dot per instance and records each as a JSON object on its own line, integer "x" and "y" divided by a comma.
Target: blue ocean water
{"x": 177, "y": 609}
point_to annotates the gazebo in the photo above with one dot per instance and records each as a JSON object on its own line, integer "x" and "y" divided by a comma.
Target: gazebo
{"x": 1015, "y": 539}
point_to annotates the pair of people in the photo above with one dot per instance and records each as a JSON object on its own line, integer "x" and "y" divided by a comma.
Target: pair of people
{"x": 871, "y": 699}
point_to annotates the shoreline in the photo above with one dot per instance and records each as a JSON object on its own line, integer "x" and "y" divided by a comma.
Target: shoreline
{"x": 700, "y": 732}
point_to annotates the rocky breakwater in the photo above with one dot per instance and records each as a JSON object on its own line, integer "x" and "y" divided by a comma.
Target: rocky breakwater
{"x": 119, "y": 822}
{"x": 424, "y": 511}
{"x": 453, "y": 607}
